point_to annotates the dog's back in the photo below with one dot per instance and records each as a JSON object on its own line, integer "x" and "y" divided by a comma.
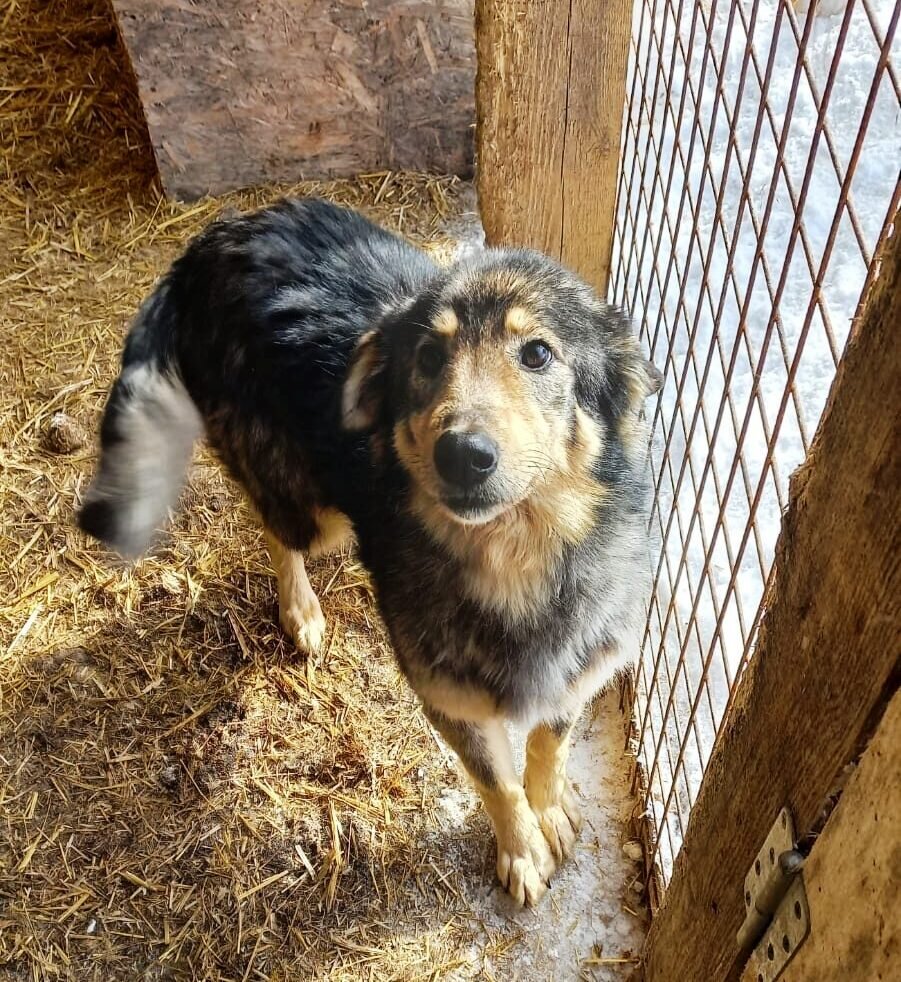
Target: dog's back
{"x": 251, "y": 327}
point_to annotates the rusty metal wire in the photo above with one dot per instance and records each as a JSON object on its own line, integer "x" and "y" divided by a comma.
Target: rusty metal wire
{"x": 760, "y": 170}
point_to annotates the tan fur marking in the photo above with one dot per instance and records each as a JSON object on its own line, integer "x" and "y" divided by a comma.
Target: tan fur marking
{"x": 457, "y": 702}
{"x": 358, "y": 405}
{"x": 334, "y": 532}
{"x": 548, "y": 789}
{"x": 524, "y": 861}
{"x": 298, "y": 606}
{"x": 445, "y": 323}
{"x": 510, "y": 561}
{"x": 520, "y": 321}
{"x": 546, "y": 756}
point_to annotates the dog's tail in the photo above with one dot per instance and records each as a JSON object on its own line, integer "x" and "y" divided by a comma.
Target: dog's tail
{"x": 147, "y": 436}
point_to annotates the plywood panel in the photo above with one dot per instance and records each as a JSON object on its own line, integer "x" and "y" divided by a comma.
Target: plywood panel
{"x": 240, "y": 92}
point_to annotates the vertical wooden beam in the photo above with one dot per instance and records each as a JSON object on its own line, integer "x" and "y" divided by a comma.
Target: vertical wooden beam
{"x": 522, "y": 78}
{"x": 599, "y": 56}
{"x": 828, "y": 657}
{"x": 550, "y": 92}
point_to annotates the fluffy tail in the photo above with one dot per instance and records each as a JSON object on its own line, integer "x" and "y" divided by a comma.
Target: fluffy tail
{"x": 147, "y": 436}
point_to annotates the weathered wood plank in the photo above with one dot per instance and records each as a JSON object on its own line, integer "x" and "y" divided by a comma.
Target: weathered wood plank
{"x": 239, "y": 93}
{"x": 549, "y": 94}
{"x": 853, "y": 873}
{"x": 599, "y": 39}
{"x": 521, "y": 88}
{"x": 828, "y": 656}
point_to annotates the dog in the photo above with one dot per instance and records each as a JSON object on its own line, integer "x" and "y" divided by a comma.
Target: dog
{"x": 479, "y": 430}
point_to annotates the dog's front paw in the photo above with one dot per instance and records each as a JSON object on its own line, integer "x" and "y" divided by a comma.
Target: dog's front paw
{"x": 560, "y": 823}
{"x": 304, "y": 622}
{"x": 524, "y": 862}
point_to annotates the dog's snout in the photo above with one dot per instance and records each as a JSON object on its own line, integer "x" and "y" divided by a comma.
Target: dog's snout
{"x": 465, "y": 459}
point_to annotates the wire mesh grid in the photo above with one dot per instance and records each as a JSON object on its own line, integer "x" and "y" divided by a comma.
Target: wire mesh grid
{"x": 760, "y": 170}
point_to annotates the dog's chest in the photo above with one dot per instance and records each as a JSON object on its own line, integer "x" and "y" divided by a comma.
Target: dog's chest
{"x": 536, "y": 667}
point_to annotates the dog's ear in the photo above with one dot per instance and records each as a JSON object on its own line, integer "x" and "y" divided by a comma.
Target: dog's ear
{"x": 645, "y": 378}
{"x": 361, "y": 398}
{"x": 615, "y": 377}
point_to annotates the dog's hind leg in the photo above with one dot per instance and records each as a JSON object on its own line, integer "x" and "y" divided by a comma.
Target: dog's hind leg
{"x": 298, "y": 606}
{"x": 524, "y": 862}
{"x": 548, "y": 789}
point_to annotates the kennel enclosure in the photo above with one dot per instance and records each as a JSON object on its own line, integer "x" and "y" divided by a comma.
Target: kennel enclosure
{"x": 160, "y": 744}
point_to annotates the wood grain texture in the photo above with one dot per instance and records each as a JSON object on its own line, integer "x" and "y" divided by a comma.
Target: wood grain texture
{"x": 853, "y": 874}
{"x": 827, "y": 659}
{"x": 521, "y": 90}
{"x": 550, "y": 92}
{"x": 242, "y": 92}
{"x": 599, "y": 54}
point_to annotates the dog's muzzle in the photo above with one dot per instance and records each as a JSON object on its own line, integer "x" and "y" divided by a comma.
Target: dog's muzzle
{"x": 465, "y": 460}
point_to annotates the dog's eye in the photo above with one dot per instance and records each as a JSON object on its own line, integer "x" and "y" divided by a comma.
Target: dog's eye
{"x": 535, "y": 355}
{"x": 430, "y": 358}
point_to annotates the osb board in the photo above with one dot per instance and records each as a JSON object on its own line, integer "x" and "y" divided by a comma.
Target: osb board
{"x": 243, "y": 92}
{"x": 852, "y": 875}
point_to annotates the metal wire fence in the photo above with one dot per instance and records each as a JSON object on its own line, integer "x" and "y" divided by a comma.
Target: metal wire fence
{"x": 761, "y": 152}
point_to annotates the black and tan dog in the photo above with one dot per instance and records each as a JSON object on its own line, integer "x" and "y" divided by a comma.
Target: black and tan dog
{"x": 478, "y": 428}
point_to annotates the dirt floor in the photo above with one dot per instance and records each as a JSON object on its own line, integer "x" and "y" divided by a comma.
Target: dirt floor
{"x": 181, "y": 795}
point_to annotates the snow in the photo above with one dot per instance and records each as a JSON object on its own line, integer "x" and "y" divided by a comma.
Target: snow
{"x": 678, "y": 285}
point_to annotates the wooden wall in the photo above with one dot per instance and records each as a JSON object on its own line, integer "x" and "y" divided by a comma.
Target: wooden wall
{"x": 240, "y": 92}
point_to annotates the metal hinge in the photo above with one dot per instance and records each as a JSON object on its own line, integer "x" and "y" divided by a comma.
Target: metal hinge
{"x": 777, "y": 918}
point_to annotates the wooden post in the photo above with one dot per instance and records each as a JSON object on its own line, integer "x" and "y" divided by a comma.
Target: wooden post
{"x": 828, "y": 657}
{"x": 550, "y": 92}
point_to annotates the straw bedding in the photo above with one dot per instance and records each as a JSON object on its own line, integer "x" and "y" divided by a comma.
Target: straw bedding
{"x": 182, "y": 796}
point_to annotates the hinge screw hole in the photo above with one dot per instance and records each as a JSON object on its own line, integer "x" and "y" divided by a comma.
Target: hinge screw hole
{"x": 757, "y": 867}
{"x": 798, "y": 910}
{"x": 770, "y": 952}
{"x": 784, "y": 820}
{"x": 760, "y": 977}
{"x": 772, "y": 856}
{"x": 748, "y": 898}
{"x": 786, "y": 944}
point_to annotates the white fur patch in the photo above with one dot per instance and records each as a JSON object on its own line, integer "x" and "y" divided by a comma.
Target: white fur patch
{"x": 358, "y": 401}
{"x": 142, "y": 473}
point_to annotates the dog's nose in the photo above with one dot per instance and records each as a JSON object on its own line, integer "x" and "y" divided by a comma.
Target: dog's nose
{"x": 465, "y": 459}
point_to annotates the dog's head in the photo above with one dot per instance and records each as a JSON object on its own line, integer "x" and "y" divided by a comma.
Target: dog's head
{"x": 503, "y": 379}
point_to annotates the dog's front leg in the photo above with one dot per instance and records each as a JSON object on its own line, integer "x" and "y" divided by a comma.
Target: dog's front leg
{"x": 298, "y": 606}
{"x": 548, "y": 789}
{"x": 524, "y": 862}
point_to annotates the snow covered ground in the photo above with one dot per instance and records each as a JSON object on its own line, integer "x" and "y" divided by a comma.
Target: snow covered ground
{"x": 732, "y": 314}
